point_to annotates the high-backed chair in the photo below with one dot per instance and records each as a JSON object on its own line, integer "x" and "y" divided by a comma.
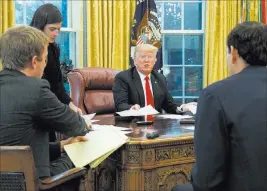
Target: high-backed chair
{"x": 91, "y": 89}
{"x": 18, "y": 173}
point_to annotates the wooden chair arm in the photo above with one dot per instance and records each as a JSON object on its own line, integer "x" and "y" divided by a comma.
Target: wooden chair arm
{"x": 56, "y": 180}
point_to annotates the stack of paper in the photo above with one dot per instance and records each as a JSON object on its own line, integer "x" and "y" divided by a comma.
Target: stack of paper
{"x": 192, "y": 108}
{"x": 89, "y": 117}
{"x": 102, "y": 142}
{"x": 174, "y": 116}
{"x": 148, "y": 110}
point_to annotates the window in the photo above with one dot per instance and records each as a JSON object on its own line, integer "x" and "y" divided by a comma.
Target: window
{"x": 69, "y": 35}
{"x": 182, "y": 27}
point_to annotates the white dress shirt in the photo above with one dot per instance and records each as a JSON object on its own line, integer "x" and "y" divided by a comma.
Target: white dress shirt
{"x": 142, "y": 77}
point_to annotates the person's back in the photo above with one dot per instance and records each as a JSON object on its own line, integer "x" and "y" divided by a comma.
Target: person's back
{"x": 28, "y": 109}
{"x": 243, "y": 99}
{"x": 230, "y": 136}
{"x": 19, "y": 112}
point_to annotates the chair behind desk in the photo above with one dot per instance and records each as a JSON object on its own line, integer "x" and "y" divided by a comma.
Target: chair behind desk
{"x": 18, "y": 173}
{"x": 91, "y": 89}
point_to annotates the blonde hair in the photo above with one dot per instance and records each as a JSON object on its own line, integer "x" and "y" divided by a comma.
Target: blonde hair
{"x": 145, "y": 47}
{"x": 19, "y": 44}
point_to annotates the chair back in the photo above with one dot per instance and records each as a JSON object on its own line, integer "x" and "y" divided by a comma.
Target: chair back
{"x": 91, "y": 89}
{"x": 17, "y": 169}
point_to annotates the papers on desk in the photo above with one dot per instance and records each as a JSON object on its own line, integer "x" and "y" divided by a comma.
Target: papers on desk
{"x": 89, "y": 116}
{"x": 174, "y": 116}
{"x": 148, "y": 110}
{"x": 189, "y": 128}
{"x": 102, "y": 142}
{"x": 192, "y": 108}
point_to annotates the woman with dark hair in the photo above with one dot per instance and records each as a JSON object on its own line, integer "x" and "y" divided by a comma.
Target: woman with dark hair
{"x": 48, "y": 19}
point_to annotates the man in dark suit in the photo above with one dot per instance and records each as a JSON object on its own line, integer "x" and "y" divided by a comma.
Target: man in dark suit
{"x": 231, "y": 120}
{"x": 28, "y": 109}
{"x": 141, "y": 85}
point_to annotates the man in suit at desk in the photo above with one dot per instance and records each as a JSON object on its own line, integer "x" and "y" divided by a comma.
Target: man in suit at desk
{"x": 28, "y": 109}
{"x": 231, "y": 121}
{"x": 140, "y": 86}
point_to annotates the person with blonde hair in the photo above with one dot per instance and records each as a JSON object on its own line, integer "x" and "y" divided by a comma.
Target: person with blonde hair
{"x": 140, "y": 85}
{"x": 28, "y": 109}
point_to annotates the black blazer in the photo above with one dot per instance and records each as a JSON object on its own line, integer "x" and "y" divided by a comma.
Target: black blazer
{"x": 53, "y": 75}
{"x": 128, "y": 90}
{"x": 28, "y": 111}
{"x": 231, "y": 134}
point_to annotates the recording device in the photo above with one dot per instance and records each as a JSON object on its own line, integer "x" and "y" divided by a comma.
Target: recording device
{"x": 144, "y": 122}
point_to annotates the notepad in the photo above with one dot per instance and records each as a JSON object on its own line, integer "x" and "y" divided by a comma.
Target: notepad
{"x": 148, "y": 110}
{"x": 101, "y": 143}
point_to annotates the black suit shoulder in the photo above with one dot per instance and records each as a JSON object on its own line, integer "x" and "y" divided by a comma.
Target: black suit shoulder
{"x": 126, "y": 74}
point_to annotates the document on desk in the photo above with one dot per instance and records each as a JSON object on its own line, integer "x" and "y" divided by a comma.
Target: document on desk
{"x": 174, "y": 116}
{"x": 188, "y": 127}
{"x": 148, "y": 110}
{"x": 89, "y": 116}
{"x": 192, "y": 108}
{"x": 102, "y": 142}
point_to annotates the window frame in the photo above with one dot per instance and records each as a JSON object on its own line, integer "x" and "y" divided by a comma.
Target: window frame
{"x": 73, "y": 28}
{"x": 183, "y": 97}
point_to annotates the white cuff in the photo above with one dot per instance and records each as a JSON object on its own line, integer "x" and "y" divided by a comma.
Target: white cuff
{"x": 180, "y": 109}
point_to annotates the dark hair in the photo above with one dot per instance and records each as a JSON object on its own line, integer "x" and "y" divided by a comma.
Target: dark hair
{"x": 46, "y": 14}
{"x": 250, "y": 40}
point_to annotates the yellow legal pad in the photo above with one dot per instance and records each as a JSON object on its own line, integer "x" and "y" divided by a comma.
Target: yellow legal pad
{"x": 102, "y": 142}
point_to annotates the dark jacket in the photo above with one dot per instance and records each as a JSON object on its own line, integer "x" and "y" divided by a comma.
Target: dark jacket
{"x": 231, "y": 134}
{"x": 28, "y": 111}
{"x": 53, "y": 75}
{"x": 128, "y": 90}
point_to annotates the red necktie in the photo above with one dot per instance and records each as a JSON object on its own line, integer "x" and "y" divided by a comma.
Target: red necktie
{"x": 149, "y": 98}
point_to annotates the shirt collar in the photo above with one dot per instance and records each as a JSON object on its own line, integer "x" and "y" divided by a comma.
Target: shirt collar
{"x": 142, "y": 76}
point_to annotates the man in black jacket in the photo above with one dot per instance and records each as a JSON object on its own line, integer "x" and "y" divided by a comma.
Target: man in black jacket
{"x": 133, "y": 86}
{"x": 231, "y": 120}
{"x": 28, "y": 109}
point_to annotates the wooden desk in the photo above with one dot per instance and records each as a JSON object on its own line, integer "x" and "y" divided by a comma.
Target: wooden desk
{"x": 144, "y": 164}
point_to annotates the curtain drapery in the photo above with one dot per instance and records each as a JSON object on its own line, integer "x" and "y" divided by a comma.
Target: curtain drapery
{"x": 7, "y": 16}
{"x": 108, "y": 29}
{"x": 221, "y": 17}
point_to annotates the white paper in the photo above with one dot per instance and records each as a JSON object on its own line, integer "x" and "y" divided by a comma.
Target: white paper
{"x": 189, "y": 127}
{"x": 94, "y": 121}
{"x": 103, "y": 127}
{"x": 192, "y": 108}
{"x": 89, "y": 116}
{"x": 99, "y": 143}
{"x": 148, "y": 110}
{"x": 174, "y": 116}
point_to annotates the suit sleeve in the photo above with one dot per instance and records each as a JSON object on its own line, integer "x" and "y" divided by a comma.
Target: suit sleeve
{"x": 58, "y": 116}
{"x": 54, "y": 150}
{"x": 211, "y": 145}
{"x": 121, "y": 94}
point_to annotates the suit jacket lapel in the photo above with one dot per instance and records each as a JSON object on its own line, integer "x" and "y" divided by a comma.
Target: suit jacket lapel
{"x": 156, "y": 92}
{"x": 139, "y": 87}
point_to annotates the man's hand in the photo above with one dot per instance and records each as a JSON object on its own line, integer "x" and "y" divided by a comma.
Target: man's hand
{"x": 185, "y": 107}
{"x": 74, "y": 108}
{"x": 135, "y": 107}
{"x": 72, "y": 140}
{"x": 89, "y": 124}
